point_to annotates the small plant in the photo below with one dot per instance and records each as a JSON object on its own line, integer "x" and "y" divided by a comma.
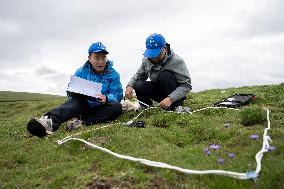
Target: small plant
{"x": 162, "y": 122}
{"x": 252, "y": 116}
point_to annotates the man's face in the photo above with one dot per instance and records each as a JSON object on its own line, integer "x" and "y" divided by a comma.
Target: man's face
{"x": 98, "y": 61}
{"x": 160, "y": 57}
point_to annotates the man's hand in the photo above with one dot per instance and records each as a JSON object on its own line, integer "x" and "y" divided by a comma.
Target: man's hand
{"x": 129, "y": 92}
{"x": 102, "y": 98}
{"x": 166, "y": 103}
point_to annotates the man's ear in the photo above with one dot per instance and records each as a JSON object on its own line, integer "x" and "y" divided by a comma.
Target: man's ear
{"x": 168, "y": 46}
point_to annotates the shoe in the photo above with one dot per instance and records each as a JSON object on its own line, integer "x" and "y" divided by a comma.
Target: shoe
{"x": 181, "y": 109}
{"x": 40, "y": 127}
{"x": 73, "y": 124}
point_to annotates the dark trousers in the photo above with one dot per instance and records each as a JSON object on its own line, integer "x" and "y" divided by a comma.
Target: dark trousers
{"x": 77, "y": 106}
{"x": 166, "y": 83}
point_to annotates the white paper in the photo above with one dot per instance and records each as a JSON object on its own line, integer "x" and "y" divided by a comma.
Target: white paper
{"x": 85, "y": 87}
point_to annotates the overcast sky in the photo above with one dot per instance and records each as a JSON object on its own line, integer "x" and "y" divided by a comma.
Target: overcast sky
{"x": 225, "y": 43}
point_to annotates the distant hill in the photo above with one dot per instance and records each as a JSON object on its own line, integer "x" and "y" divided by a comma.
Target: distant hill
{"x": 8, "y": 96}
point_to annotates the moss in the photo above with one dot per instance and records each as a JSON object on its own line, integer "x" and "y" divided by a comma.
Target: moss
{"x": 252, "y": 116}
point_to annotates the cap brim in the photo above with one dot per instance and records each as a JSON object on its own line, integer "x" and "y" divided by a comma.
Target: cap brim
{"x": 152, "y": 53}
{"x": 102, "y": 51}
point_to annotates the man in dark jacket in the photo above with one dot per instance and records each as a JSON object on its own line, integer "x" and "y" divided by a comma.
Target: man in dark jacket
{"x": 170, "y": 79}
{"x": 91, "y": 110}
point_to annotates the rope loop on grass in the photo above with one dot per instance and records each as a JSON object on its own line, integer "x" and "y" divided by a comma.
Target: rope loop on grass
{"x": 242, "y": 176}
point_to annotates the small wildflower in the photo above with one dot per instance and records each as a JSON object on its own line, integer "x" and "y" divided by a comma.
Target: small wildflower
{"x": 220, "y": 161}
{"x": 231, "y": 155}
{"x": 206, "y": 149}
{"x": 271, "y": 148}
{"x": 254, "y": 136}
{"x": 208, "y": 153}
{"x": 214, "y": 146}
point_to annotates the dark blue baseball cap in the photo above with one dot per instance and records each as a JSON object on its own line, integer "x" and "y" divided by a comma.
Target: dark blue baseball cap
{"x": 97, "y": 47}
{"x": 154, "y": 44}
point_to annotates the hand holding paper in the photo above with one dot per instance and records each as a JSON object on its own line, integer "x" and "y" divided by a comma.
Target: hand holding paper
{"x": 102, "y": 98}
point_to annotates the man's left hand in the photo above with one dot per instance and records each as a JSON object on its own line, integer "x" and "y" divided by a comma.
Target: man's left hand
{"x": 166, "y": 103}
{"x": 102, "y": 98}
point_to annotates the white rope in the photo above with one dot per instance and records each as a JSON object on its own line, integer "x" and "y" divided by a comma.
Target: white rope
{"x": 215, "y": 107}
{"x": 160, "y": 164}
{"x": 132, "y": 120}
{"x": 265, "y": 146}
{"x": 243, "y": 176}
{"x": 79, "y": 133}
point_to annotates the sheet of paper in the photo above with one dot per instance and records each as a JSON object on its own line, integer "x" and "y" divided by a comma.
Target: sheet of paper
{"x": 85, "y": 87}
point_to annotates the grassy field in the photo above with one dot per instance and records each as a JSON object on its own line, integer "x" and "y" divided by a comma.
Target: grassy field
{"x": 176, "y": 139}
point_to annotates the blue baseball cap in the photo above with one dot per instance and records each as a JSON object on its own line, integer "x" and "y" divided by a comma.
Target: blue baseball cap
{"x": 154, "y": 44}
{"x": 97, "y": 47}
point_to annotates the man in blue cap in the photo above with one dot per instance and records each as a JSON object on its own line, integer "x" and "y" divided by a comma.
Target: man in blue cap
{"x": 90, "y": 110}
{"x": 169, "y": 78}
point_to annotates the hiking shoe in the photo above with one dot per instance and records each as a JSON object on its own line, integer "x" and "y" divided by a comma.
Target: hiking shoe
{"x": 73, "y": 124}
{"x": 181, "y": 109}
{"x": 40, "y": 127}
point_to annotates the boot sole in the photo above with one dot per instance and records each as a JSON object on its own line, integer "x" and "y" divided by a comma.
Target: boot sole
{"x": 36, "y": 128}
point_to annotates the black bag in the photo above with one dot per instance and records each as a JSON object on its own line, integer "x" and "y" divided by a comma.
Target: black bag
{"x": 236, "y": 100}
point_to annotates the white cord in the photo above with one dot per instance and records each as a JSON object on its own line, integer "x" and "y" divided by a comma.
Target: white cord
{"x": 161, "y": 164}
{"x": 249, "y": 175}
{"x": 265, "y": 145}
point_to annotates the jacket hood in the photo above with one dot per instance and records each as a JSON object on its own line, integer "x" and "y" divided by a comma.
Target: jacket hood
{"x": 168, "y": 56}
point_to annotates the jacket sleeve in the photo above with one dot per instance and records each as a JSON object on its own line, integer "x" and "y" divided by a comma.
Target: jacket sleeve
{"x": 79, "y": 73}
{"x": 184, "y": 82}
{"x": 115, "y": 89}
{"x": 141, "y": 74}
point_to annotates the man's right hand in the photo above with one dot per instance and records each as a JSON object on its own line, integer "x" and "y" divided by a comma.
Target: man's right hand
{"x": 129, "y": 92}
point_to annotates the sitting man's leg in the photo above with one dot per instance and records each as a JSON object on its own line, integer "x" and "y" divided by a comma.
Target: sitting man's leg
{"x": 167, "y": 84}
{"x": 51, "y": 121}
{"x": 146, "y": 91}
{"x": 103, "y": 113}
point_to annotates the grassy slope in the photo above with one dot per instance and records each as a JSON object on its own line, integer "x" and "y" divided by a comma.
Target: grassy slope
{"x": 30, "y": 162}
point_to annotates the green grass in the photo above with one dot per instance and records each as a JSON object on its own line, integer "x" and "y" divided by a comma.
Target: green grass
{"x": 31, "y": 162}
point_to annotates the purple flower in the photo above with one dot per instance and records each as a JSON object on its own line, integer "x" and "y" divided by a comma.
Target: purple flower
{"x": 271, "y": 148}
{"x": 220, "y": 161}
{"x": 254, "y": 136}
{"x": 208, "y": 152}
{"x": 214, "y": 146}
{"x": 231, "y": 155}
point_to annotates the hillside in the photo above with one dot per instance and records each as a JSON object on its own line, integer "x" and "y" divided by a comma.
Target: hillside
{"x": 7, "y": 96}
{"x": 175, "y": 139}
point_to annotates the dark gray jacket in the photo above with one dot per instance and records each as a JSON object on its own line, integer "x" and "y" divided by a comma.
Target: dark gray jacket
{"x": 172, "y": 63}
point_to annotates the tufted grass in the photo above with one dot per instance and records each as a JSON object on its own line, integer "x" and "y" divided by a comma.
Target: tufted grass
{"x": 176, "y": 139}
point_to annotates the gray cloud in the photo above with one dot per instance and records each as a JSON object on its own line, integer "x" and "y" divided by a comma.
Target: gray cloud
{"x": 264, "y": 18}
{"x": 43, "y": 70}
{"x": 43, "y": 42}
{"x": 27, "y": 25}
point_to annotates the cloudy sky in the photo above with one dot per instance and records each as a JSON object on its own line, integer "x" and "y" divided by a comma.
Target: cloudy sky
{"x": 225, "y": 43}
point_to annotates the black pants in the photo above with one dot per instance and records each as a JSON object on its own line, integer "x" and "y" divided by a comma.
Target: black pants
{"x": 77, "y": 106}
{"x": 166, "y": 83}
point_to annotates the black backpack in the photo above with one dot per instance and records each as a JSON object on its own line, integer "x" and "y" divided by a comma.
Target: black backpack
{"x": 236, "y": 100}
